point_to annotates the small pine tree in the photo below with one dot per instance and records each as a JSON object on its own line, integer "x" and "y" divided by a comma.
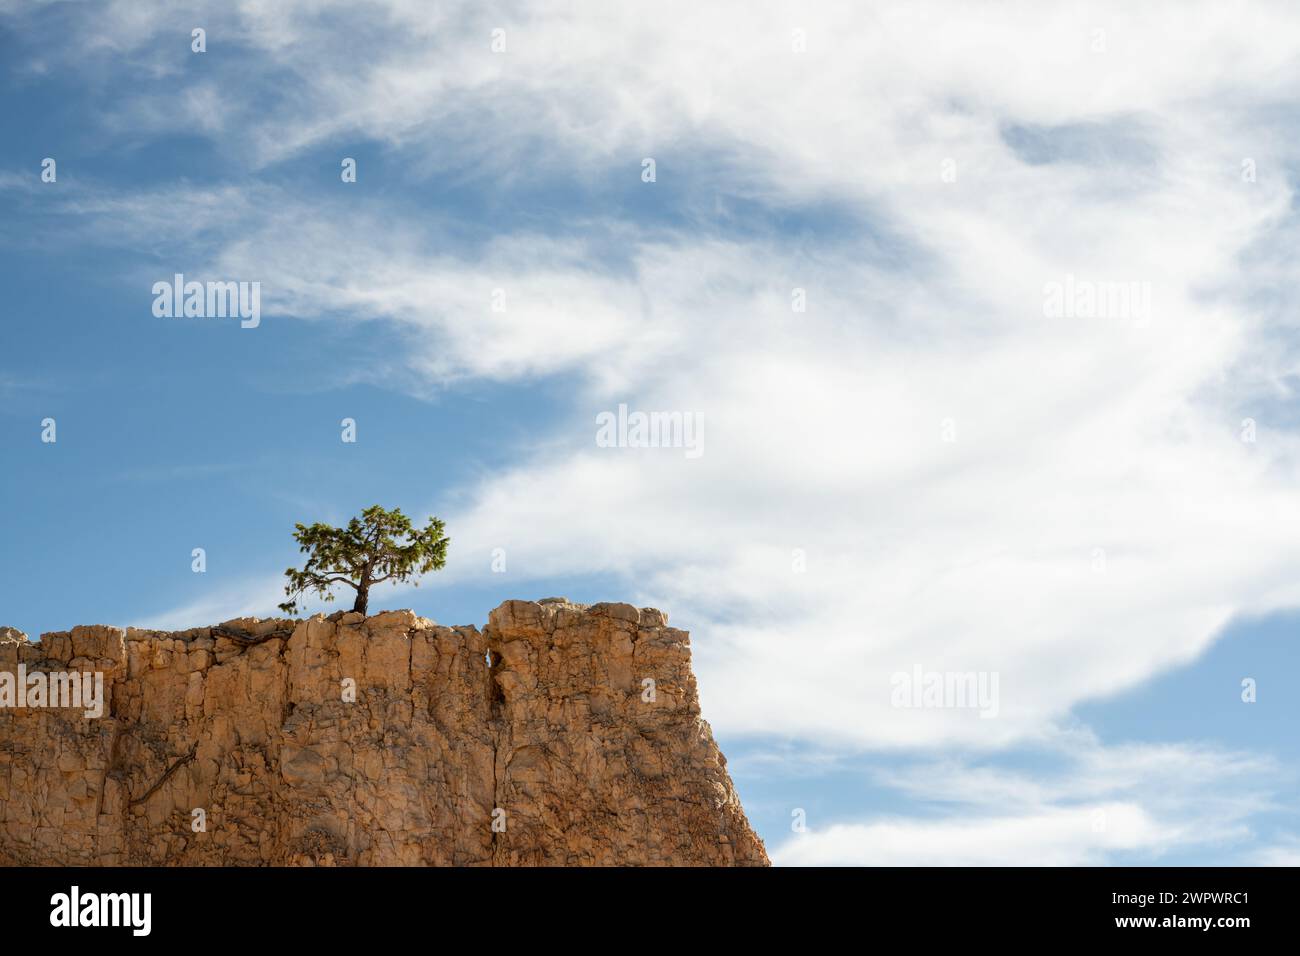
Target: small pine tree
{"x": 365, "y": 553}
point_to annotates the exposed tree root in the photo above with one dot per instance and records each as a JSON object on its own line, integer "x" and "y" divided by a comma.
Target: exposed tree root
{"x": 163, "y": 779}
{"x": 244, "y": 639}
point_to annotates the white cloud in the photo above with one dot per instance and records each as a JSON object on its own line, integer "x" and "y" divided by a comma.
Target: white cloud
{"x": 1286, "y": 853}
{"x": 823, "y": 427}
{"x": 1105, "y": 803}
{"x": 1049, "y": 838}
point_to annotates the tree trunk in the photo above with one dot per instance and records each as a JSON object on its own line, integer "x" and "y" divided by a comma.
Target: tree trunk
{"x": 363, "y": 595}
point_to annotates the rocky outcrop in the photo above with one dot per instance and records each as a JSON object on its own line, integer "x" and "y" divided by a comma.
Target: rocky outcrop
{"x": 561, "y": 734}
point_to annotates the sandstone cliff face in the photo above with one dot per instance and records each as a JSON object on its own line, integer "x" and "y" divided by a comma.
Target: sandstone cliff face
{"x": 559, "y": 735}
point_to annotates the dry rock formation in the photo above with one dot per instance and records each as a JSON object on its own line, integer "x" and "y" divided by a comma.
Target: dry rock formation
{"x": 561, "y": 734}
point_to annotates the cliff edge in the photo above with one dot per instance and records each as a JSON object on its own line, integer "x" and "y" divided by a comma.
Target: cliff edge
{"x": 560, "y": 734}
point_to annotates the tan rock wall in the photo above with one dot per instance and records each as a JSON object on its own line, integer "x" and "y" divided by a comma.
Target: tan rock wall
{"x": 386, "y": 740}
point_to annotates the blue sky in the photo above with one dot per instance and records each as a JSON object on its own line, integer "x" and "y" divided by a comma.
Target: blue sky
{"x": 921, "y": 468}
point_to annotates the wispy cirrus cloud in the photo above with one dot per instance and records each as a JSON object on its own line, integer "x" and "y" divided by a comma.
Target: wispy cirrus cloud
{"x": 827, "y": 427}
{"x": 922, "y": 467}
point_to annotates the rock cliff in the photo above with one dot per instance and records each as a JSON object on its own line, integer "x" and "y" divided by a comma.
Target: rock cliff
{"x": 560, "y": 734}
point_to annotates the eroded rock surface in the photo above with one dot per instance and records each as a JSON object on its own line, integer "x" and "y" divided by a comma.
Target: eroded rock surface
{"x": 559, "y": 735}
